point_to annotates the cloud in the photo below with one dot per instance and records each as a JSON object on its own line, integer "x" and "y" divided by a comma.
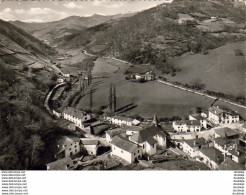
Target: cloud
{"x": 7, "y": 10}
{"x": 33, "y": 20}
{"x": 34, "y": 14}
{"x": 73, "y": 5}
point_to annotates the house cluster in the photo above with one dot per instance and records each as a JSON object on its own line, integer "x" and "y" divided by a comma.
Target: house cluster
{"x": 68, "y": 147}
{"x": 122, "y": 121}
{"x": 200, "y": 121}
{"x": 142, "y": 77}
{"x": 228, "y": 146}
{"x": 84, "y": 121}
{"x": 131, "y": 143}
{"x": 196, "y": 123}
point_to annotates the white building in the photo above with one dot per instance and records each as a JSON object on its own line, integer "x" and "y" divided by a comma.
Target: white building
{"x": 187, "y": 126}
{"x": 90, "y": 145}
{"x": 123, "y": 121}
{"x": 123, "y": 148}
{"x": 220, "y": 116}
{"x": 200, "y": 118}
{"x": 192, "y": 147}
{"x": 60, "y": 80}
{"x": 67, "y": 146}
{"x": 150, "y": 138}
{"x": 75, "y": 116}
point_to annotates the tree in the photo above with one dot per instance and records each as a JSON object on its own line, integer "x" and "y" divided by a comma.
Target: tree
{"x": 110, "y": 97}
{"x": 114, "y": 98}
{"x": 36, "y": 146}
{"x": 91, "y": 98}
{"x": 197, "y": 84}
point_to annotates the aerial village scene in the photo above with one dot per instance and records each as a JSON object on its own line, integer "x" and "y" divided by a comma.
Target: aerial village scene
{"x": 87, "y": 98}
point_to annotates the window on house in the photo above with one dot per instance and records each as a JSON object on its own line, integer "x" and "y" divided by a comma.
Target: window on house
{"x": 75, "y": 146}
{"x": 75, "y": 150}
{"x": 143, "y": 146}
{"x": 138, "y": 151}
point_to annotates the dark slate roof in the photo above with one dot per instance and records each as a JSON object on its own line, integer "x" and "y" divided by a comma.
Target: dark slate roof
{"x": 89, "y": 141}
{"x": 124, "y": 143}
{"x": 60, "y": 164}
{"x": 225, "y": 132}
{"x": 123, "y": 118}
{"x": 224, "y": 142}
{"x": 198, "y": 116}
{"x": 213, "y": 154}
{"x": 151, "y": 140}
{"x": 132, "y": 128}
{"x": 229, "y": 164}
{"x": 147, "y": 133}
{"x": 188, "y": 122}
{"x": 196, "y": 142}
{"x": 217, "y": 111}
{"x": 74, "y": 112}
{"x": 66, "y": 141}
{"x": 114, "y": 132}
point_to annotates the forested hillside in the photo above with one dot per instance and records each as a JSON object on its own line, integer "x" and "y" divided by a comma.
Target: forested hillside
{"x": 27, "y": 131}
{"x": 154, "y": 35}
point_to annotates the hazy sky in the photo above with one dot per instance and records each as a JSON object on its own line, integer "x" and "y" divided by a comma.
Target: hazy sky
{"x": 44, "y": 11}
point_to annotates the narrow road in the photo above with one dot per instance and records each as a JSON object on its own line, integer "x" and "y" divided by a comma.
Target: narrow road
{"x": 200, "y": 93}
{"x": 46, "y": 101}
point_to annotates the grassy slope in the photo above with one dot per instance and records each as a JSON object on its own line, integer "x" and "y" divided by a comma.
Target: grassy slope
{"x": 220, "y": 70}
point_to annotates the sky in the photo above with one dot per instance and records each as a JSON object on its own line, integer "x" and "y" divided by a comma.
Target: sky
{"x": 46, "y": 11}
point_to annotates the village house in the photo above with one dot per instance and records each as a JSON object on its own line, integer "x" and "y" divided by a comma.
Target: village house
{"x": 229, "y": 164}
{"x": 90, "y": 145}
{"x": 87, "y": 124}
{"x": 75, "y": 116}
{"x": 123, "y": 121}
{"x": 187, "y": 126}
{"x": 212, "y": 157}
{"x": 226, "y": 133}
{"x": 67, "y": 146}
{"x": 62, "y": 164}
{"x": 148, "y": 76}
{"x": 220, "y": 116}
{"x": 125, "y": 149}
{"x": 199, "y": 117}
{"x": 237, "y": 154}
{"x": 192, "y": 147}
{"x": 113, "y": 132}
{"x": 149, "y": 139}
{"x": 60, "y": 80}
{"x": 130, "y": 130}
{"x": 224, "y": 145}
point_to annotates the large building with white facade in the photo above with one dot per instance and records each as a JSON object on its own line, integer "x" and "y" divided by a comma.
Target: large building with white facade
{"x": 75, "y": 116}
{"x": 150, "y": 138}
{"x": 125, "y": 149}
{"x": 187, "y": 126}
{"x": 221, "y": 116}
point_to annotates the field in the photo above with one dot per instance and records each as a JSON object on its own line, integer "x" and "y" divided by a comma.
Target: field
{"x": 221, "y": 70}
{"x": 150, "y": 97}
